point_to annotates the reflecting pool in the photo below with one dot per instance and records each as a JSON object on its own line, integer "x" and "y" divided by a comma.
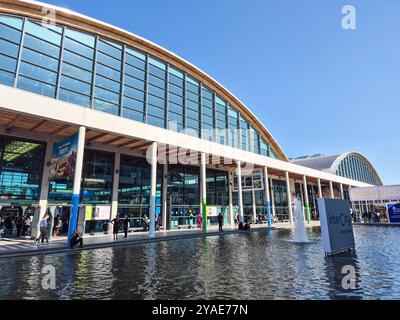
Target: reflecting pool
{"x": 254, "y": 265}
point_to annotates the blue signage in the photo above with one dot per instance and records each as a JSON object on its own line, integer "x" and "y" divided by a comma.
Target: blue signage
{"x": 393, "y": 210}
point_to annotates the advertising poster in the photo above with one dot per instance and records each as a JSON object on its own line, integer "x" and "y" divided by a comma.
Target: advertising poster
{"x": 63, "y": 159}
{"x": 393, "y": 210}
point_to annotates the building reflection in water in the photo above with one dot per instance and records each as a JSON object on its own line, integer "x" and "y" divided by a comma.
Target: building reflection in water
{"x": 335, "y": 275}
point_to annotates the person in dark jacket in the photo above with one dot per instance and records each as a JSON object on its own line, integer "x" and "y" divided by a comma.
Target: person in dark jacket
{"x": 115, "y": 223}
{"x": 220, "y": 221}
{"x": 125, "y": 224}
{"x": 75, "y": 239}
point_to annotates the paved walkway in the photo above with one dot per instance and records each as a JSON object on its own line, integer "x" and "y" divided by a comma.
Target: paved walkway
{"x": 11, "y": 248}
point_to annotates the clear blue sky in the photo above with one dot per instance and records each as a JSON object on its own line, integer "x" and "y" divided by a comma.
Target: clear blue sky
{"x": 316, "y": 87}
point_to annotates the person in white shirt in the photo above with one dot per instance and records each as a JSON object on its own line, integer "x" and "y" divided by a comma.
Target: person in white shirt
{"x": 43, "y": 230}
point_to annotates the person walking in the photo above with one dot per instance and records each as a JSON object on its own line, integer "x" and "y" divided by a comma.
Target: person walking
{"x": 115, "y": 223}
{"x": 125, "y": 224}
{"x": 220, "y": 221}
{"x": 43, "y": 230}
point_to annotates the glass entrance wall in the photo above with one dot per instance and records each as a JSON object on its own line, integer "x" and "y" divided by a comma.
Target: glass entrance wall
{"x": 281, "y": 200}
{"x": 97, "y": 175}
{"x": 134, "y": 190}
{"x": 218, "y": 194}
{"x": 21, "y": 168}
{"x": 183, "y": 195}
{"x": 247, "y": 204}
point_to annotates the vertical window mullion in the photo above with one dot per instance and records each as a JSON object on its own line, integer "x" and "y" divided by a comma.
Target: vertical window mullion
{"x": 201, "y": 110}
{"x": 146, "y": 88}
{"x": 60, "y": 63}
{"x": 184, "y": 100}
{"x": 94, "y": 71}
{"x": 21, "y": 46}
{"x": 121, "y": 97}
{"x": 166, "y": 95}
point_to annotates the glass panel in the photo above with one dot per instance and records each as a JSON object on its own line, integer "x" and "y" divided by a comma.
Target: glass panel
{"x": 107, "y": 95}
{"x": 10, "y": 34}
{"x": 41, "y": 46}
{"x": 133, "y": 104}
{"x": 106, "y": 107}
{"x": 75, "y": 85}
{"x": 134, "y": 93}
{"x": 36, "y": 86}
{"x": 9, "y": 48}
{"x": 77, "y": 73}
{"x": 84, "y": 38}
{"x": 78, "y": 48}
{"x": 44, "y": 33}
{"x": 108, "y": 84}
{"x": 6, "y": 78}
{"x": 108, "y": 61}
{"x": 75, "y": 98}
{"x": 39, "y": 59}
{"x": 133, "y": 82}
{"x": 110, "y": 48}
{"x": 11, "y": 21}
{"x": 38, "y": 73}
{"x": 77, "y": 60}
{"x": 135, "y": 53}
{"x": 7, "y": 63}
{"x": 157, "y": 63}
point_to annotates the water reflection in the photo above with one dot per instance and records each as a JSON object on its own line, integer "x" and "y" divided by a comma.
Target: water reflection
{"x": 255, "y": 265}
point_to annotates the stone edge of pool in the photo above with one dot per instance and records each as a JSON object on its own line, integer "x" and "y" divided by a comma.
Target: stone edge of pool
{"x": 62, "y": 248}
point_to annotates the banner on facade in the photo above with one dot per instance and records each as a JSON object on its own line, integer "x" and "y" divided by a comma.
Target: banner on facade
{"x": 379, "y": 193}
{"x": 63, "y": 159}
{"x": 393, "y": 211}
{"x": 254, "y": 182}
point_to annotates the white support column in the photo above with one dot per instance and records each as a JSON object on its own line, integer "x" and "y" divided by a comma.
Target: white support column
{"x": 114, "y": 204}
{"x": 253, "y": 200}
{"x": 306, "y": 200}
{"x": 203, "y": 185}
{"x": 153, "y": 189}
{"x": 165, "y": 212}
{"x": 76, "y": 191}
{"x": 319, "y": 189}
{"x": 272, "y": 199}
{"x": 44, "y": 192}
{"x": 267, "y": 197}
{"x": 289, "y": 196}
{"x": 341, "y": 191}
{"x": 230, "y": 187}
{"x": 331, "y": 188}
{"x": 240, "y": 194}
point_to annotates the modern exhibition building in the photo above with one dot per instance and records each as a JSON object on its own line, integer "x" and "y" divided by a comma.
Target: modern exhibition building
{"x": 97, "y": 122}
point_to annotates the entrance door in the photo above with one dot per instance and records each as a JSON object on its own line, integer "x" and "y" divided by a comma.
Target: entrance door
{"x": 59, "y": 216}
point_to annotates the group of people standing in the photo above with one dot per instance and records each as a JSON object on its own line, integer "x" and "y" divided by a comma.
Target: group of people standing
{"x": 20, "y": 223}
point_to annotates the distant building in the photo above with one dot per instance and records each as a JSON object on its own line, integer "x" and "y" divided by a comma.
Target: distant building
{"x": 352, "y": 165}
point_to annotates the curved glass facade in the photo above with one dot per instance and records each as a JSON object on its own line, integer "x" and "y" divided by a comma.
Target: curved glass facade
{"x": 94, "y": 72}
{"x": 356, "y": 168}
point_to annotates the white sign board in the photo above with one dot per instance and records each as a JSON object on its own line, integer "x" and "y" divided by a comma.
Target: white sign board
{"x": 336, "y": 225}
{"x": 375, "y": 193}
{"x": 101, "y": 212}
